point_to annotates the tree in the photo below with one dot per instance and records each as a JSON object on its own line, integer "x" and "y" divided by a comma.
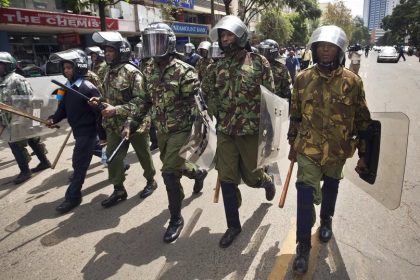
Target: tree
{"x": 274, "y": 26}
{"x": 300, "y": 29}
{"x": 360, "y": 32}
{"x": 227, "y": 6}
{"x": 338, "y": 14}
{"x": 250, "y": 8}
{"x": 4, "y": 3}
{"x": 404, "y": 21}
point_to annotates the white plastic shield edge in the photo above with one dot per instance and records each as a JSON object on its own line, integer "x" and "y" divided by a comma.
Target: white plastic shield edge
{"x": 273, "y": 113}
{"x": 388, "y": 185}
{"x": 200, "y": 147}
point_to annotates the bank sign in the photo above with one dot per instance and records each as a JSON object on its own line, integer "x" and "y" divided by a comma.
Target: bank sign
{"x": 189, "y": 28}
{"x": 189, "y": 4}
{"x": 50, "y": 19}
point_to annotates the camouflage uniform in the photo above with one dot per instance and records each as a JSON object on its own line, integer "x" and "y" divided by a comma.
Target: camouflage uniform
{"x": 327, "y": 114}
{"x": 100, "y": 69}
{"x": 201, "y": 67}
{"x": 281, "y": 78}
{"x": 123, "y": 84}
{"x": 233, "y": 93}
{"x": 15, "y": 84}
{"x": 170, "y": 97}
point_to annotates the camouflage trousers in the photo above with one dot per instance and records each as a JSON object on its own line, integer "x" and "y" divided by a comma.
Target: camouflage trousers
{"x": 236, "y": 159}
{"x": 22, "y": 155}
{"x": 140, "y": 143}
{"x": 311, "y": 174}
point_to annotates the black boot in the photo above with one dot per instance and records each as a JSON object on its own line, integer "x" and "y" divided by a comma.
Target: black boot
{"x": 229, "y": 236}
{"x": 230, "y": 201}
{"x": 67, "y": 205}
{"x": 119, "y": 194}
{"x": 148, "y": 189}
{"x": 270, "y": 189}
{"x": 174, "y": 229}
{"x": 175, "y": 197}
{"x": 41, "y": 166}
{"x": 300, "y": 264}
{"x": 199, "y": 180}
{"x": 22, "y": 177}
{"x": 325, "y": 231}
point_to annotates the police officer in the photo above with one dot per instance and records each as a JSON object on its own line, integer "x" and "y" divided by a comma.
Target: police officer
{"x": 170, "y": 88}
{"x": 191, "y": 57}
{"x": 201, "y": 66}
{"x": 123, "y": 84}
{"x": 234, "y": 96}
{"x": 14, "y": 84}
{"x": 98, "y": 61}
{"x": 81, "y": 117}
{"x": 328, "y": 114}
{"x": 270, "y": 49}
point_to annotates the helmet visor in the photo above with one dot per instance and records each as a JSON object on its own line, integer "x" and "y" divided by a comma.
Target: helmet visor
{"x": 64, "y": 55}
{"x": 108, "y": 36}
{"x": 264, "y": 50}
{"x": 215, "y": 51}
{"x": 155, "y": 43}
{"x": 230, "y": 23}
{"x": 331, "y": 34}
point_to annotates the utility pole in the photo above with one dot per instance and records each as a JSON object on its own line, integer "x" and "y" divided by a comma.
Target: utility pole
{"x": 212, "y": 12}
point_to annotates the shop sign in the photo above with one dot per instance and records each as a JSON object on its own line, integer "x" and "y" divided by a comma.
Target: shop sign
{"x": 189, "y": 28}
{"x": 72, "y": 39}
{"x": 32, "y": 17}
{"x": 189, "y": 4}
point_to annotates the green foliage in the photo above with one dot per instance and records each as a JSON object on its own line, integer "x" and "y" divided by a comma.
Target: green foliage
{"x": 4, "y": 3}
{"x": 338, "y": 14}
{"x": 404, "y": 21}
{"x": 300, "y": 29}
{"x": 387, "y": 40}
{"x": 275, "y": 26}
{"x": 360, "y": 33}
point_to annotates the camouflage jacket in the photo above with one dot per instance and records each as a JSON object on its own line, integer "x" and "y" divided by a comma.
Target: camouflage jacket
{"x": 12, "y": 84}
{"x": 123, "y": 85}
{"x": 169, "y": 95}
{"x": 100, "y": 69}
{"x": 282, "y": 78}
{"x": 233, "y": 92}
{"x": 327, "y": 114}
{"x": 95, "y": 80}
{"x": 201, "y": 67}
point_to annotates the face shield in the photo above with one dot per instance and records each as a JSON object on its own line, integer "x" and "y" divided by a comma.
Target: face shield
{"x": 189, "y": 48}
{"x": 264, "y": 50}
{"x": 138, "y": 51}
{"x": 70, "y": 55}
{"x": 104, "y": 37}
{"x": 215, "y": 51}
{"x": 156, "y": 42}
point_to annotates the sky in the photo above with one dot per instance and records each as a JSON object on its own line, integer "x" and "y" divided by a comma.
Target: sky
{"x": 356, "y": 6}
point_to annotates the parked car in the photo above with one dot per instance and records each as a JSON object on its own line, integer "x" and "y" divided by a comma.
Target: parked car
{"x": 388, "y": 54}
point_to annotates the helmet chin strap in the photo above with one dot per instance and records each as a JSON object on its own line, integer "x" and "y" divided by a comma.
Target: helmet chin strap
{"x": 328, "y": 66}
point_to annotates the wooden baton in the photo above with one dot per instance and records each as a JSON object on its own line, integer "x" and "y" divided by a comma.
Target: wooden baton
{"x": 61, "y": 149}
{"x": 286, "y": 184}
{"x": 18, "y": 112}
{"x": 216, "y": 191}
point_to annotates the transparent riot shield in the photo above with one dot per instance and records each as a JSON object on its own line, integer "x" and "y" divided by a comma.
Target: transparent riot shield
{"x": 200, "y": 147}
{"x": 387, "y": 187}
{"x": 41, "y": 104}
{"x": 273, "y": 113}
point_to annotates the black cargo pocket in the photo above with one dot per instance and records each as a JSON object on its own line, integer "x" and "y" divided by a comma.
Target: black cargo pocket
{"x": 126, "y": 94}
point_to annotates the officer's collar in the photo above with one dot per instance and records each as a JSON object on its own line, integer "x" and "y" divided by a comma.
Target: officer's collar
{"x": 116, "y": 68}
{"x": 77, "y": 83}
{"x": 331, "y": 74}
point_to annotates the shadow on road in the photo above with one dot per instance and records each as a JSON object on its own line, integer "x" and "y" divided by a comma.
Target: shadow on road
{"x": 191, "y": 257}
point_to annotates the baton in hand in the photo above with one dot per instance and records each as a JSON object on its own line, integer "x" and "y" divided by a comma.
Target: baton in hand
{"x": 115, "y": 152}
{"x": 286, "y": 184}
{"x": 100, "y": 106}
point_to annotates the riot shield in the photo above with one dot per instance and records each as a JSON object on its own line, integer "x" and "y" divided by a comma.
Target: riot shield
{"x": 200, "y": 147}
{"x": 387, "y": 187}
{"x": 41, "y": 104}
{"x": 273, "y": 113}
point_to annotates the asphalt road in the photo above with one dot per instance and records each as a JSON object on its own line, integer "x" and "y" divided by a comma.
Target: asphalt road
{"x": 125, "y": 241}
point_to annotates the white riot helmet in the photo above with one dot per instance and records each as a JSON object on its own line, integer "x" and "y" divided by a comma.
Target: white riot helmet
{"x": 115, "y": 40}
{"x": 204, "y": 48}
{"x": 234, "y": 25}
{"x": 215, "y": 51}
{"x": 158, "y": 39}
{"x": 138, "y": 51}
{"x": 331, "y": 34}
{"x": 189, "y": 48}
